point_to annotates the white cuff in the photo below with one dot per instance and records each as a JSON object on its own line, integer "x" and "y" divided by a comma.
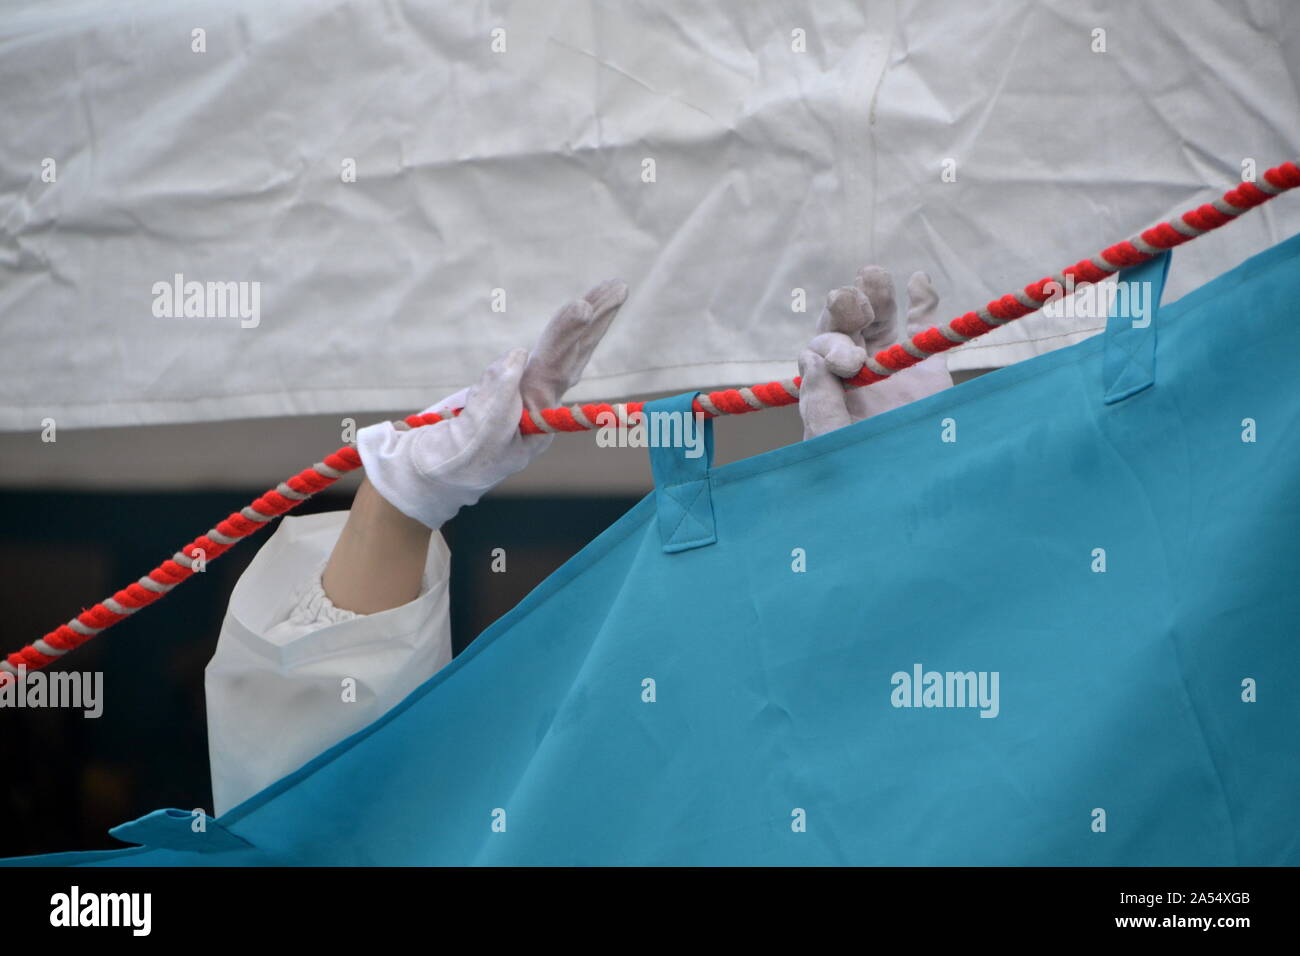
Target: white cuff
{"x": 293, "y": 675}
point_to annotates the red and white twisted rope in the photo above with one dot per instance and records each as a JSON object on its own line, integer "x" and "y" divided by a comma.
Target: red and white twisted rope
{"x": 733, "y": 401}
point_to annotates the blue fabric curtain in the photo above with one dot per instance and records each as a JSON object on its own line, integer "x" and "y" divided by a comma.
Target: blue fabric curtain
{"x": 1045, "y": 617}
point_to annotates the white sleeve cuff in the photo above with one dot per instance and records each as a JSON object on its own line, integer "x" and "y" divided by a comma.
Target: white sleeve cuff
{"x": 293, "y": 675}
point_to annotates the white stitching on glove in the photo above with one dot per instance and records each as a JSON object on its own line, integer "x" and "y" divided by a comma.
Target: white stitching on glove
{"x": 431, "y": 472}
{"x": 858, "y": 320}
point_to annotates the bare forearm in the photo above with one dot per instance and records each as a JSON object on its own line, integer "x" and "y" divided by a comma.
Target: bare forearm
{"x": 378, "y": 561}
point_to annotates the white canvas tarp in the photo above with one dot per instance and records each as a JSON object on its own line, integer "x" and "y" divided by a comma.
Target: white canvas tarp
{"x": 484, "y": 172}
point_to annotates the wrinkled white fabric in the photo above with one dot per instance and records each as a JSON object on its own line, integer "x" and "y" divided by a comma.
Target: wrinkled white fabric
{"x": 293, "y": 675}
{"x": 775, "y": 170}
{"x": 313, "y": 610}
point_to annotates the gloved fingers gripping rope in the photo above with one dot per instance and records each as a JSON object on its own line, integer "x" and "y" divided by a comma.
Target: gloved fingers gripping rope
{"x": 858, "y": 320}
{"x": 875, "y": 368}
{"x": 431, "y": 473}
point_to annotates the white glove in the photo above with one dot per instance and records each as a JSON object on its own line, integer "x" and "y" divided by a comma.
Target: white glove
{"x": 431, "y": 472}
{"x": 859, "y": 320}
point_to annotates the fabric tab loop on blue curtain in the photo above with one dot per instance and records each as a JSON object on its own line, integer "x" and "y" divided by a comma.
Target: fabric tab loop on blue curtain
{"x": 173, "y": 829}
{"x": 681, "y": 451}
{"x": 1129, "y": 365}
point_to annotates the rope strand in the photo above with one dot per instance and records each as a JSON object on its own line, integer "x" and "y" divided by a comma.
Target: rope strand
{"x": 733, "y": 401}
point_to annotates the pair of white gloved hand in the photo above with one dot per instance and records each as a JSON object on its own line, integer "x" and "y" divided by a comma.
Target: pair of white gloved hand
{"x": 431, "y": 472}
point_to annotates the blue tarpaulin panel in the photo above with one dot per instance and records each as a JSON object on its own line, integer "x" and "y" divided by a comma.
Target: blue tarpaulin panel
{"x": 1045, "y": 617}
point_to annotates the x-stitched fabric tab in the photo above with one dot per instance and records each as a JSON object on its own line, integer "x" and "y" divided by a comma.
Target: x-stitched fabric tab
{"x": 173, "y": 829}
{"x": 683, "y": 496}
{"x": 1129, "y": 365}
